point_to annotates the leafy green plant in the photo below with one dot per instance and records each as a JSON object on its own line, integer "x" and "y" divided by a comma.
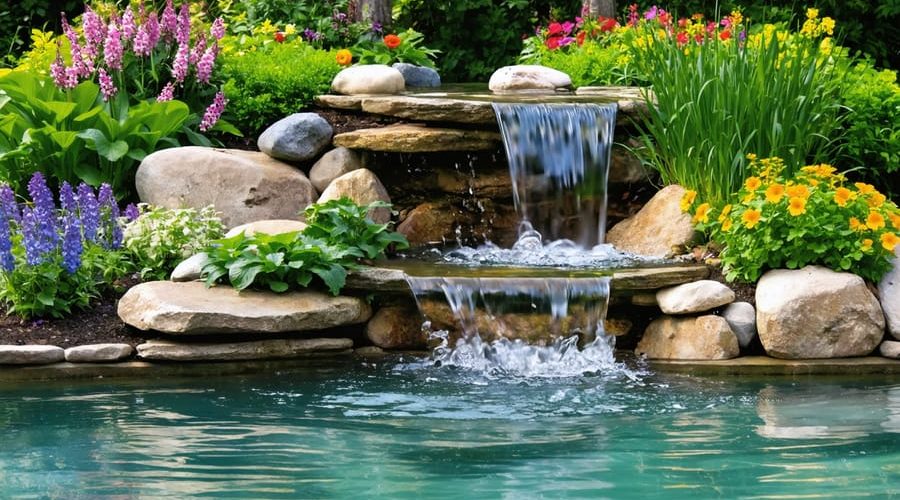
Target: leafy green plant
{"x": 811, "y": 217}
{"x": 267, "y": 84}
{"x": 339, "y": 235}
{"x": 405, "y": 47}
{"x": 74, "y": 136}
{"x": 160, "y": 238}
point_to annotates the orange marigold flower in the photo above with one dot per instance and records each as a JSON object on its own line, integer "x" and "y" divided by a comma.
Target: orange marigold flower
{"x": 864, "y": 188}
{"x": 895, "y": 220}
{"x": 842, "y": 195}
{"x": 876, "y": 199}
{"x": 856, "y": 225}
{"x": 688, "y": 199}
{"x": 796, "y": 206}
{"x": 774, "y": 193}
{"x": 752, "y": 183}
{"x": 798, "y": 191}
{"x": 889, "y": 241}
{"x": 392, "y": 41}
{"x": 344, "y": 57}
{"x": 702, "y": 213}
{"x": 751, "y": 218}
{"x": 874, "y": 221}
{"x": 866, "y": 245}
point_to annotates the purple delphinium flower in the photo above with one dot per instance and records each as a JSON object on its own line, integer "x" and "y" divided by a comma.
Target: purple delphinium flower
{"x": 40, "y": 194}
{"x": 107, "y": 87}
{"x": 213, "y": 112}
{"x": 89, "y": 209}
{"x": 8, "y": 204}
{"x": 38, "y": 235}
{"x": 167, "y": 93}
{"x": 129, "y": 28}
{"x": 132, "y": 212}
{"x": 112, "y": 48}
{"x": 180, "y": 65}
{"x": 7, "y": 262}
{"x": 112, "y": 231}
{"x": 72, "y": 246}
{"x": 169, "y": 22}
{"x": 206, "y": 64}
{"x": 311, "y": 35}
{"x": 217, "y": 30}
{"x": 377, "y": 28}
{"x": 67, "y": 200}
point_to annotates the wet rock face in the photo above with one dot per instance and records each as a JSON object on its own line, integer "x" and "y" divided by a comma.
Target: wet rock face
{"x": 397, "y": 327}
{"x": 815, "y": 312}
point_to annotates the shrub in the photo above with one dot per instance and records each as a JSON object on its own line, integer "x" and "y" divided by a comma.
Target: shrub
{"x": 777, "y": 221}
{"x": 160, "y": 238}
{"x": 54, "y": 260}
{"x": 339, "y": 235}
{"x": 404, "y": 48}
{"x": 718, "y": 100}
{"x": 18, "y": 20}
{"x": 269, "y": 83}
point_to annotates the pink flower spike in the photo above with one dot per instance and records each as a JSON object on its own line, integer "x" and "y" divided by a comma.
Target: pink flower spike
{"x": 217, "y": 30}
{"x": 112, "y": 48}
{"x": 167, "y": 93}
{"x": 107, "y": 87}
{"x": 198, "y": 50}
{"x": 180, "y": 65}
{"x": 94, "y": 32}
{"x": 153, "y": 34}
{"x": 206, "y": 64}
{"x": 58, "y": 70}
{"x": 169, "y": 21}
{"x": 213, "y": 112}
{"x": 183, "y": 31}
{"x": 71, "y": 77}
{"x": 129, "y": 28}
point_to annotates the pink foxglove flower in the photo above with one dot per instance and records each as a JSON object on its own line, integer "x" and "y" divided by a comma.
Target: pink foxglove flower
{"x": 198, "y": 50}
{"x": 217, "y": 30}
{"x": 129, "y": 28}
{"x": 169, "y": 21}
{"x": 206, "y": 64}
{"x": 213, "y": 112}
{"x": 167, "y": 93}
{"x": 94, "y": 32}
{"x": 141, "y": 45}
{"x": 58, "y": 70}
{"x": 180, "y": 65}
{"x": 112, "y": 47}
{"x": 183, "y": 25}
{"x": 153, "y": 34}
{"x": 107, "y": 87}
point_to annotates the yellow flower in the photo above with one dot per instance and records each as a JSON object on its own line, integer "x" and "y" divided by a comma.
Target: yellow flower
{"x": 726, "y": 225}
{"x": 856, "y": 225}
{"x": 290, "y": 29}
{"x": 895, "y": 220}
{"x": 751, "y": 218}
{"x": 826, "y": 26}
{"x": 688, "y": 199}
{"x": 344, "y": 57}
{"x": 725, "y": 211}
{"x": 876, "y": 199}
{"x": 752, "y": 157}
{"x": 798, "y": 191}
{"x": 874, "y": 221}
{"x": 866, "y": 245}
{"x": 796, "y": 206}
{"x": 747, "y": 199}
{"x": 864, "y": 188}
{"x": 736, "y": 17}
{"x": 752, "y": 183}
{"x": 812, "y": 13}
{"x": 774, "y": 193}
{"x": 842, "y": 195}
{"x": 702, "y": 213}
{"x": 889, "y": 241}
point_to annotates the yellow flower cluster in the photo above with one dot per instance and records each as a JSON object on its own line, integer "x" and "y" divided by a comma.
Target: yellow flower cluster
{"x": 814, "y": 27}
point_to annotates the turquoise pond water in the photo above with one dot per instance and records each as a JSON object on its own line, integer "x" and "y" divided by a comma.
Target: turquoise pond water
{"x": 391, "y": 429}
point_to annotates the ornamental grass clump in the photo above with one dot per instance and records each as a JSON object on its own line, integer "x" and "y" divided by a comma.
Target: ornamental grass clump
{"x": 814, "y": 216}
{"x": 54, "y": 259}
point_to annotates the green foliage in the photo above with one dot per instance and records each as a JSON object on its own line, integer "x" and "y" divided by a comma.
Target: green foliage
{"x": 409, "y": 51}
{"x": 74, "y": 136}
{"x": 719, "y": 101}
{"x": 268, "y": 84}
{"x": 18, "y": 18}
{"x": 338, "y": 236}
{"x": 475, "y": 37}
{"x": 872, "y": 99}
{"x": 810, "y": 218}
{"x": 161, "y": 238}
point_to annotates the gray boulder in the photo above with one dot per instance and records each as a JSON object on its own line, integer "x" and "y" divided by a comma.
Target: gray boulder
{"x": 889, "y": 293}
{"x": 418, "y": 76}
{"x": 741, "y": 317}
{"x": 890, "y": 349}
{"x": 30, "y": 354}
{"x": 299, "y": 137}
{"x": 332, "y": 165}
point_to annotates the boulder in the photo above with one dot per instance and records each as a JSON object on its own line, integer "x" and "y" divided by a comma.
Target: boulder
{"x": 165, "y": 350}
{"x": 889, "y": 292}
{"x": 192, "y": 309}
{"x": 332, "y": 165}
{"x": 528, "y": 77}
{"x": 429, "y": 224}
{"x": 657, "y": 228}
{"x": 625, "y": 167}
{"x": 741, "y": 317}
{"x": 384, "y": 280}
{"x": 98, "y": 353}
{"x": 244, "y": 186}
{"x": 363, "y": 187}
{"x": 418, "y": 76}
{"x": 276, "y": 226}
{"x": 815, "y": 312}
{"x": 397, "y": 327}
{"x": 890, "y": 349}
{"x": 189, "y": 269}
{"x": 695, "y": 338}
{"x": 699, "y": 296}
{"x": 298, "y": 137}
{"x": 30, "y": 354}
{"x": 368, "y": 79}
{"x": 410, "y": 138}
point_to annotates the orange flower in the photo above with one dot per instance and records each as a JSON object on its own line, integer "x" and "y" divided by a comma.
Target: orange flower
{"x": 796, "y": 206}
{"x": 895, "y": 220}
{"x": 864, "y": 188}
{"x": 798, "y": 191}
{"x": 751, "y": 218}
{"x": 774, "y": 193}
{"x": 752, "y": 183}
{"x": 866, "y": 245}
{"x": 392, "y": 41}
{"x": 876, "y": 199}
{"x": 688, "y": 199}
{"x": 874, "y": 221}
{"x": 856, "y": 225}
{"x": 889, "y": 241}
{"x": 702, "y": 214}
{"x": 842, "y": 195}
{"x": 344, "y": 57}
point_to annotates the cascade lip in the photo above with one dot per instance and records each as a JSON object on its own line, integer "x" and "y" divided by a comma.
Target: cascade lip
{"x": 424, "y": 268}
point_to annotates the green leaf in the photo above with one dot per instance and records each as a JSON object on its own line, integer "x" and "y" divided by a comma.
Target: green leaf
{"x": 333, "y": 276}
{"x": 243, "y": 277}
{"x": 278, "y": 286}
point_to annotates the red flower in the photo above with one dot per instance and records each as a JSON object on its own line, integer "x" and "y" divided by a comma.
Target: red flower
{"x": 725, "y": 35}
{"x": 607, "y": 23}
{"x": 552, "y": 42}
{"x": 392, "y": 41}
{"x": 555, "y": 29}
{"x": 579, "y": 38}
{"x": 681, "y": 38}
{"x": 279, "y": 37}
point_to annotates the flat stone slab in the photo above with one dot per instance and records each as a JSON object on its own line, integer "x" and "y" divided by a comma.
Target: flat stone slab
{"x": 763, "y": 365}
{"x": 98, "y": 353}
{"x": 377, "y": 279}
{"x": 165, "y": 350}
{"x": 431, "y": 109}
{"x": 190, "y": 308}
{"x": 30, "y": 354}
{"x": 408, "y": 138}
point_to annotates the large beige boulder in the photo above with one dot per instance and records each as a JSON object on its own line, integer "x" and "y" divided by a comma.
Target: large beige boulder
{"x": 397, "y": 327}
{"x": 167, "y": 350}
{"x": 699, "y": 296}
{"x": 889, "y": 293}
{"x": 332, "y": 165}
{"x": 244, "y": 186}
{"x": 363, "y": 187}
{"x": 368, "y": 79}
{"x": 659, "y": 229}
{"x": 528, "y": 77}
{"x": 815, "y": 312}
{"x": 190, "y": 308}
{"x": 693, "y": 338}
